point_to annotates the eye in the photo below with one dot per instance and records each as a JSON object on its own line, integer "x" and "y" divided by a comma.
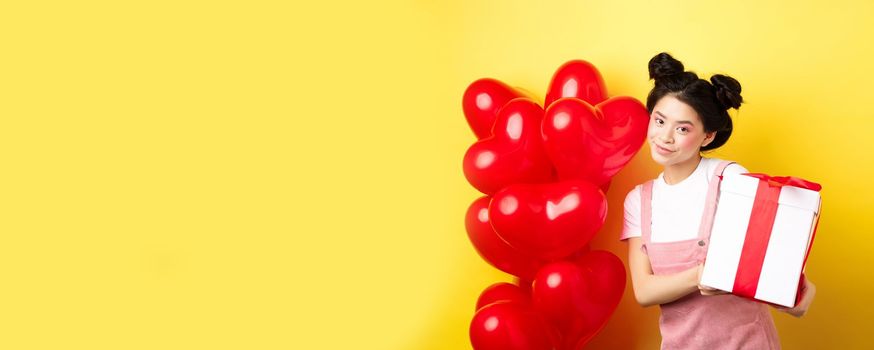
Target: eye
{"x": 683, "y": 130}
{"x": 659, "y": 121}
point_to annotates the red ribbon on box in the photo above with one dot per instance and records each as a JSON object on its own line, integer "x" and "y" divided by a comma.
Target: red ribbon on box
{"x": 759, "y": 231}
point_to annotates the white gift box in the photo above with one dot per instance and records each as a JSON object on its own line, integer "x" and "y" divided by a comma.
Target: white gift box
{"x": 761, "y": 266}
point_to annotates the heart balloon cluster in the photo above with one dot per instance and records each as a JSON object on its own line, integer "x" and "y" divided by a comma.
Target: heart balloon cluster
{"x": 544, "y": 172}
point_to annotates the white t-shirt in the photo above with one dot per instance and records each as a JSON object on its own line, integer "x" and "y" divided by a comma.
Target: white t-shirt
{"x": 677, "y": 208}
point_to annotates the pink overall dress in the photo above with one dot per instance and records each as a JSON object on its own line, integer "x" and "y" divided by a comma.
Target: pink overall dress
{"x": 696, "y": 321}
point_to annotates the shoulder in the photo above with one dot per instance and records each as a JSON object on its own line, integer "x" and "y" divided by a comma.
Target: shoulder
{"x": 632, "y": 199}
{"x": 632, "y": 205}
{"x": 733, "y": 168}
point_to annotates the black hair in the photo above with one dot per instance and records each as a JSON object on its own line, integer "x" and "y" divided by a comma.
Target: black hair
{"x": 711, "y": 100}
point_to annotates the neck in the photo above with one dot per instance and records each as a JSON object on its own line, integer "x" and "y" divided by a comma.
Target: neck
{"x": 675, "y": 173}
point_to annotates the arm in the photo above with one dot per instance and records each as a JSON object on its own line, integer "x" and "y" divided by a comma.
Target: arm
{"x": 651, "y": 289}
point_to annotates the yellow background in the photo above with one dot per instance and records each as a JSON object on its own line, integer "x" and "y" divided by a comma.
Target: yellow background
{"x": 267, "y": 175}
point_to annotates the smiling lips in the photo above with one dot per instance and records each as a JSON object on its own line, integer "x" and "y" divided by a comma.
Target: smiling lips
{"x": 661, "y": 149}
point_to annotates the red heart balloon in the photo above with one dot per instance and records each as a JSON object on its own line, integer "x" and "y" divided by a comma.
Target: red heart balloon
{"x": 513, "y": 154}
{"x": 593, "y": 142}
{"x": 577, "y": 297}
{"x": 481, "y": 102}
{"x": 579, "y": 79}
{"x": 582, "y": 251}
{"x": 492, "y": 248}
{"x": 549, "y": 221}
{"x": 525, "y": 284}
{"x": 508, "y": 325}
{"x": 502, "y": 291}
{"x": 606, "y": 186}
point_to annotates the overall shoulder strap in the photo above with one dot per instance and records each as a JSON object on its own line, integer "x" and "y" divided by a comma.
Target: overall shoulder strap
{"x": 711, "y": 201}
{"x": 646, "y": 211}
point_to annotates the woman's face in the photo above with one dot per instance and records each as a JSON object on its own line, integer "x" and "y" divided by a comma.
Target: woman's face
{"x": 675, "y": 132}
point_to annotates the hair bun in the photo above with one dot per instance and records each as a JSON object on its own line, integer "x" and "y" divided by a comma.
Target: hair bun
{"x": 727, "y": 91}
{"x": 663, "y": 65}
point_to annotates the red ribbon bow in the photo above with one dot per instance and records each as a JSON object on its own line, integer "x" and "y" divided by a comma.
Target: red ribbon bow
{"x": 780, "y": 181}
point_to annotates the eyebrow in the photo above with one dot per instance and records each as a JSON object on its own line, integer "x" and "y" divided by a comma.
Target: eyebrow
{"x": 678, "y": 122}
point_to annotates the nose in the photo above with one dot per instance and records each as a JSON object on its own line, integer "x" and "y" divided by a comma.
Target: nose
{"x": 666, "y": 136}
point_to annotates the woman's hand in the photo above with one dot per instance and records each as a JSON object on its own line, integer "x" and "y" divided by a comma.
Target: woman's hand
{"x": 705, "y": 290}
{"x": 808, "y": 290}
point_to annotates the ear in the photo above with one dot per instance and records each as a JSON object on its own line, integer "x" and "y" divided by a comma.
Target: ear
{"x": 708, "y": 138}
